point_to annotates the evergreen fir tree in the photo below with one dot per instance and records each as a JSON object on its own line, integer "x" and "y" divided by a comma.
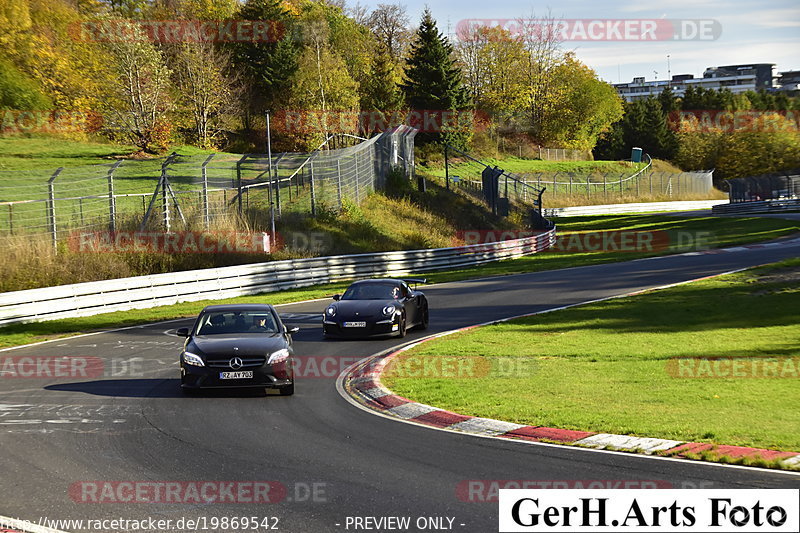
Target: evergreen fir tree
{"x": 268, "y": 66}
{"x": 381, "y": 97}
{"x": 434, "y": 80}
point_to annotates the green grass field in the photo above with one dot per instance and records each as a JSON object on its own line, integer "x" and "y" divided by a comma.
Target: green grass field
{"x": 670, "y": 235}
{"x": 518, "y": 165}
{"x": 606, "y": 367}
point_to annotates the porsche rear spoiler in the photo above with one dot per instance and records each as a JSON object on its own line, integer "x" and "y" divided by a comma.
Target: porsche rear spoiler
{"x": 415, "y": 281}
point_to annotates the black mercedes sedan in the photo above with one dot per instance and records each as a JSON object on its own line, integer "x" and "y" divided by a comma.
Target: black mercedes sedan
{"x": 376, "y": 307}
{"x": 232, "y": 346}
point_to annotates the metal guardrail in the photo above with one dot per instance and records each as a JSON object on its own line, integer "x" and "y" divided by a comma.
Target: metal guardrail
{"x": 644, "y": 207}
{"x": 142, "y": 292}
{"x": 766, "y": 206}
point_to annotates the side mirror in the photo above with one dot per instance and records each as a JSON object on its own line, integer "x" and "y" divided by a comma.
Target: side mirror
{"x": 294, "y": 330}
{"x": 337, "y": 297}
{"x": 182, "y": 332}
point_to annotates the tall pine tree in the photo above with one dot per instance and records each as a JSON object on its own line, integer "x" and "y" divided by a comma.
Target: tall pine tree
{"x": 434, "y": 83}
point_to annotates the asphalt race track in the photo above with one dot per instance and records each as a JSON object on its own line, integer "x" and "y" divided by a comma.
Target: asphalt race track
{"x": 133, "y": 424}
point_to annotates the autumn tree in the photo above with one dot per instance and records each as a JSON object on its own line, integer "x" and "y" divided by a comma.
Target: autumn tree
{"x": 389, "y": 24}
{"x": 140, "y": 92}
{"x": 494, "y": 65}
{"x": 321, "y": 87}
{"x": 582, "y": 107}
{"x": 207, "y": 91}
{"x": 543, "y": 43}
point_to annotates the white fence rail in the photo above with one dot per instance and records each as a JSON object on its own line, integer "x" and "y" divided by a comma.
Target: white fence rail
{"x": 616, "y": 209}
{"x": 85, "y": 299}
{"x": 765, "y": 206}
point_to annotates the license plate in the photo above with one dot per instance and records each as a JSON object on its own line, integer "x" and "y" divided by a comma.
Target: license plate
{"x": 354, "y": 325}
{"x": 236, "y": 375}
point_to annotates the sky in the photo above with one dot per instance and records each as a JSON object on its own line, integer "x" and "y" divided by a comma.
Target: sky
{"x": 734, "y": 31}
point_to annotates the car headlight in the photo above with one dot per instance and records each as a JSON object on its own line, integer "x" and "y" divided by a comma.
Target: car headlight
{"x": 192, "y": 359}
{"x": 279, "y": 356}
{"x": 389, "y": 310}
{"x": 331, "y": 311}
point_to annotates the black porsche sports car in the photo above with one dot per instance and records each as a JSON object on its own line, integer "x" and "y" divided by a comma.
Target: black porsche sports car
{"x": 376, "y": 307}
{"x": 232, "y": 346}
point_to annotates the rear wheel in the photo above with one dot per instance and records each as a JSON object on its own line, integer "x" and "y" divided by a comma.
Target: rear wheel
{"x": 424, "y": 323}
{"x": 288, "y": 390}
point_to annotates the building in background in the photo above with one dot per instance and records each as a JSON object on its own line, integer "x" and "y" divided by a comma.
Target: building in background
{"x": 737, "y": 78}
{"x": 789, "y": 82}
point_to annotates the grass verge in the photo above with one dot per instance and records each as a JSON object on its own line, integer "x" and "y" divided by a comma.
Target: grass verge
{"x": 715, "y": 232}
{"x": 690, "y": 363}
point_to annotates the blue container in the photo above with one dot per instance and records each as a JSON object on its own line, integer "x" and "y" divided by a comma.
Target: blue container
{"x": 636, "y": 155}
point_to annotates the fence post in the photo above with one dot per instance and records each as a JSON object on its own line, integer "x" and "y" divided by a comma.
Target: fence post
{"x": 358, "y": 200}
{"x": 605, "y": 192}
{"x": 206, "y": 215}
{"x": 51, "y": 211}
{"x": 288, "y": 185}
{"x": 112, "y": 203}
{"x": 570, "y": 184}
{"x": 239, "y": 181}
{"x": 165, "y": 201}
{"x": 651, "y": 183}
{"x": 274, "y": 175}
{"x": 446, "y": 169}
{"x": 11, "y": 218}
{"x": 339, "y": 182}
{"x": 313, "y": 193}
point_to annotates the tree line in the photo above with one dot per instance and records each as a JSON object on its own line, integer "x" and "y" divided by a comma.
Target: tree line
{"x": 144, "y": 71}
{"x": 737, "y": 135}
{"x": 204, "y": 72}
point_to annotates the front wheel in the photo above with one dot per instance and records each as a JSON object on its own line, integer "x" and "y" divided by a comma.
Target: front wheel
{"x": 402, "y": 327}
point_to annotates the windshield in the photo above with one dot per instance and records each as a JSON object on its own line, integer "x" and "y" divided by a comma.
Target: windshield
{"x": 227, "y": 322}
{"x": 372, "y": 291}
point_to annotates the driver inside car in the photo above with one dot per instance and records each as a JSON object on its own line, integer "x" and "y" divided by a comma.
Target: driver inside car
{"x": 259, "y": 324}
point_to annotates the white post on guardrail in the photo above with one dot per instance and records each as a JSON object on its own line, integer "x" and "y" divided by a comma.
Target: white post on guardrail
{"x": 51, "y": 207}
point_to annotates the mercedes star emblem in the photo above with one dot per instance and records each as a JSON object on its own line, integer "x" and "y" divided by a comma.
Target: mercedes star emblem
{"x": 236, "y": 363}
